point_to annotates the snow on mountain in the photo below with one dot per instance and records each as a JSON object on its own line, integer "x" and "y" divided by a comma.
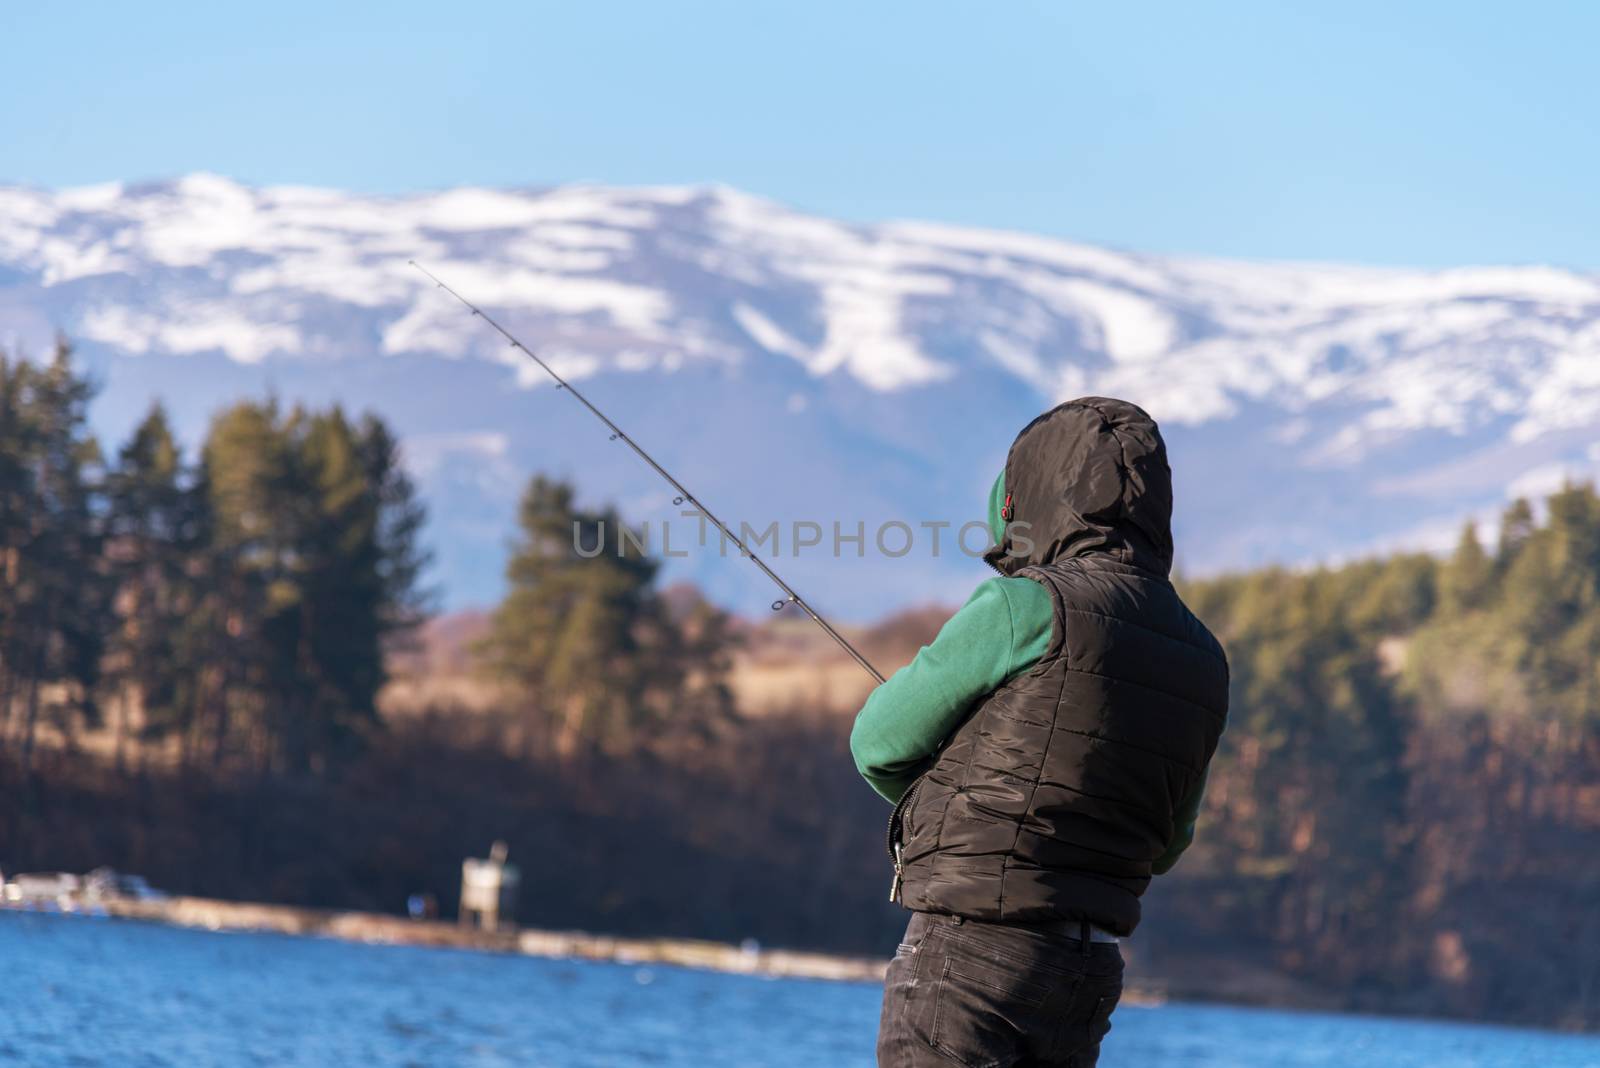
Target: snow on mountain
{"x": 796, "y": 367}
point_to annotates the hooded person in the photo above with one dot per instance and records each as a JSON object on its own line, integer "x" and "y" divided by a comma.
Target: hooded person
{"x": 1046, "y": 754}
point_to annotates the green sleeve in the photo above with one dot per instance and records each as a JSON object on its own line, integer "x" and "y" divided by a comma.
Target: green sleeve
{"x": 1002, "y": 630}
{"x": 1183, "y": 828}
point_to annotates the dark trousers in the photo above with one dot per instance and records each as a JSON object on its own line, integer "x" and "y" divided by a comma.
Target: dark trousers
{"x": 990, "y": 995}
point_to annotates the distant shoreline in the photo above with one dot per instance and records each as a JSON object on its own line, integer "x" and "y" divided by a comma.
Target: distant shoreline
{"x": 380, "y": 929}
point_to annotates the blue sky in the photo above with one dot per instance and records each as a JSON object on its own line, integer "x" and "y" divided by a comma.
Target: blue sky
{"x": 1418, "y": 133}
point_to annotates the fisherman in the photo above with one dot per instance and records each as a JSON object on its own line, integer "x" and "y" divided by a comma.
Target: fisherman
{"x": 1046, "y": 754}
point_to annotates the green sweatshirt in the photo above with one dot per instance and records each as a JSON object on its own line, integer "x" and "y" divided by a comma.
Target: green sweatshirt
{"x": 1002, "y": 631}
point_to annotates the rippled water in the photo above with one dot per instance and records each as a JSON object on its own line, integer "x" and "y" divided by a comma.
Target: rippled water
{"x": 80, "y": 992}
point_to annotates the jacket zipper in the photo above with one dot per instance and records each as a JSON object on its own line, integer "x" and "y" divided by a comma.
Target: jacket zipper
{"x": 895, "y": 819}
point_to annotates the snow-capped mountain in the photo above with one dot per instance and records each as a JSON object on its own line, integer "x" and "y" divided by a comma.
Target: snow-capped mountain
{"x": 789, "y": 367}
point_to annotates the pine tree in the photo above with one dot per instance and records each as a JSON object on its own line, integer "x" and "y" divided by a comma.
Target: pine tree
{"x": 51, "y": 636}
{"x": 313, "y": 537}
{"x": 357, "y": 564}
{"x": 584, "y": 635}
{"x": 1468, "y": 579}
{"x": 16, "y": 510}
{"x": 245, "y": 473}
{"x": 402, "y": 560}
{"x": 154, "y": 533}
{"x": 1516, "y": 526}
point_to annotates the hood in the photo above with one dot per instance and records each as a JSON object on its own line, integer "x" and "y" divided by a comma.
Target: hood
{"x": 1089, "y": 476}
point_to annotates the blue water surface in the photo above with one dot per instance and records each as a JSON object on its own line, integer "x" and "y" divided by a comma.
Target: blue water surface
{"x": 82, "y": 992}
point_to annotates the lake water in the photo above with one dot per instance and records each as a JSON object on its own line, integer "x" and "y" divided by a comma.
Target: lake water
{"x": 81, "y": 992}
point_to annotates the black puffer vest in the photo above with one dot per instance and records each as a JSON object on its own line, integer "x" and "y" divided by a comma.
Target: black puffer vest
{"x": 1059, "y": 791}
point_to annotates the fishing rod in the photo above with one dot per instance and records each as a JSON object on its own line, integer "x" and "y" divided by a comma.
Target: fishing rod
{"x": 617, "y": 434}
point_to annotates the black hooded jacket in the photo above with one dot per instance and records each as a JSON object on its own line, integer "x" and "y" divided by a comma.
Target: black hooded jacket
{"x": 1054, "y": 798}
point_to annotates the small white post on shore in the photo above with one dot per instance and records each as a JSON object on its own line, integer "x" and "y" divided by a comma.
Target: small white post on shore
{"x": 489, "y": 891}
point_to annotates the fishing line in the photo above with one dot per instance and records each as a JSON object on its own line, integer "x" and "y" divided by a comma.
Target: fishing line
{"x": 617, "y": 434}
